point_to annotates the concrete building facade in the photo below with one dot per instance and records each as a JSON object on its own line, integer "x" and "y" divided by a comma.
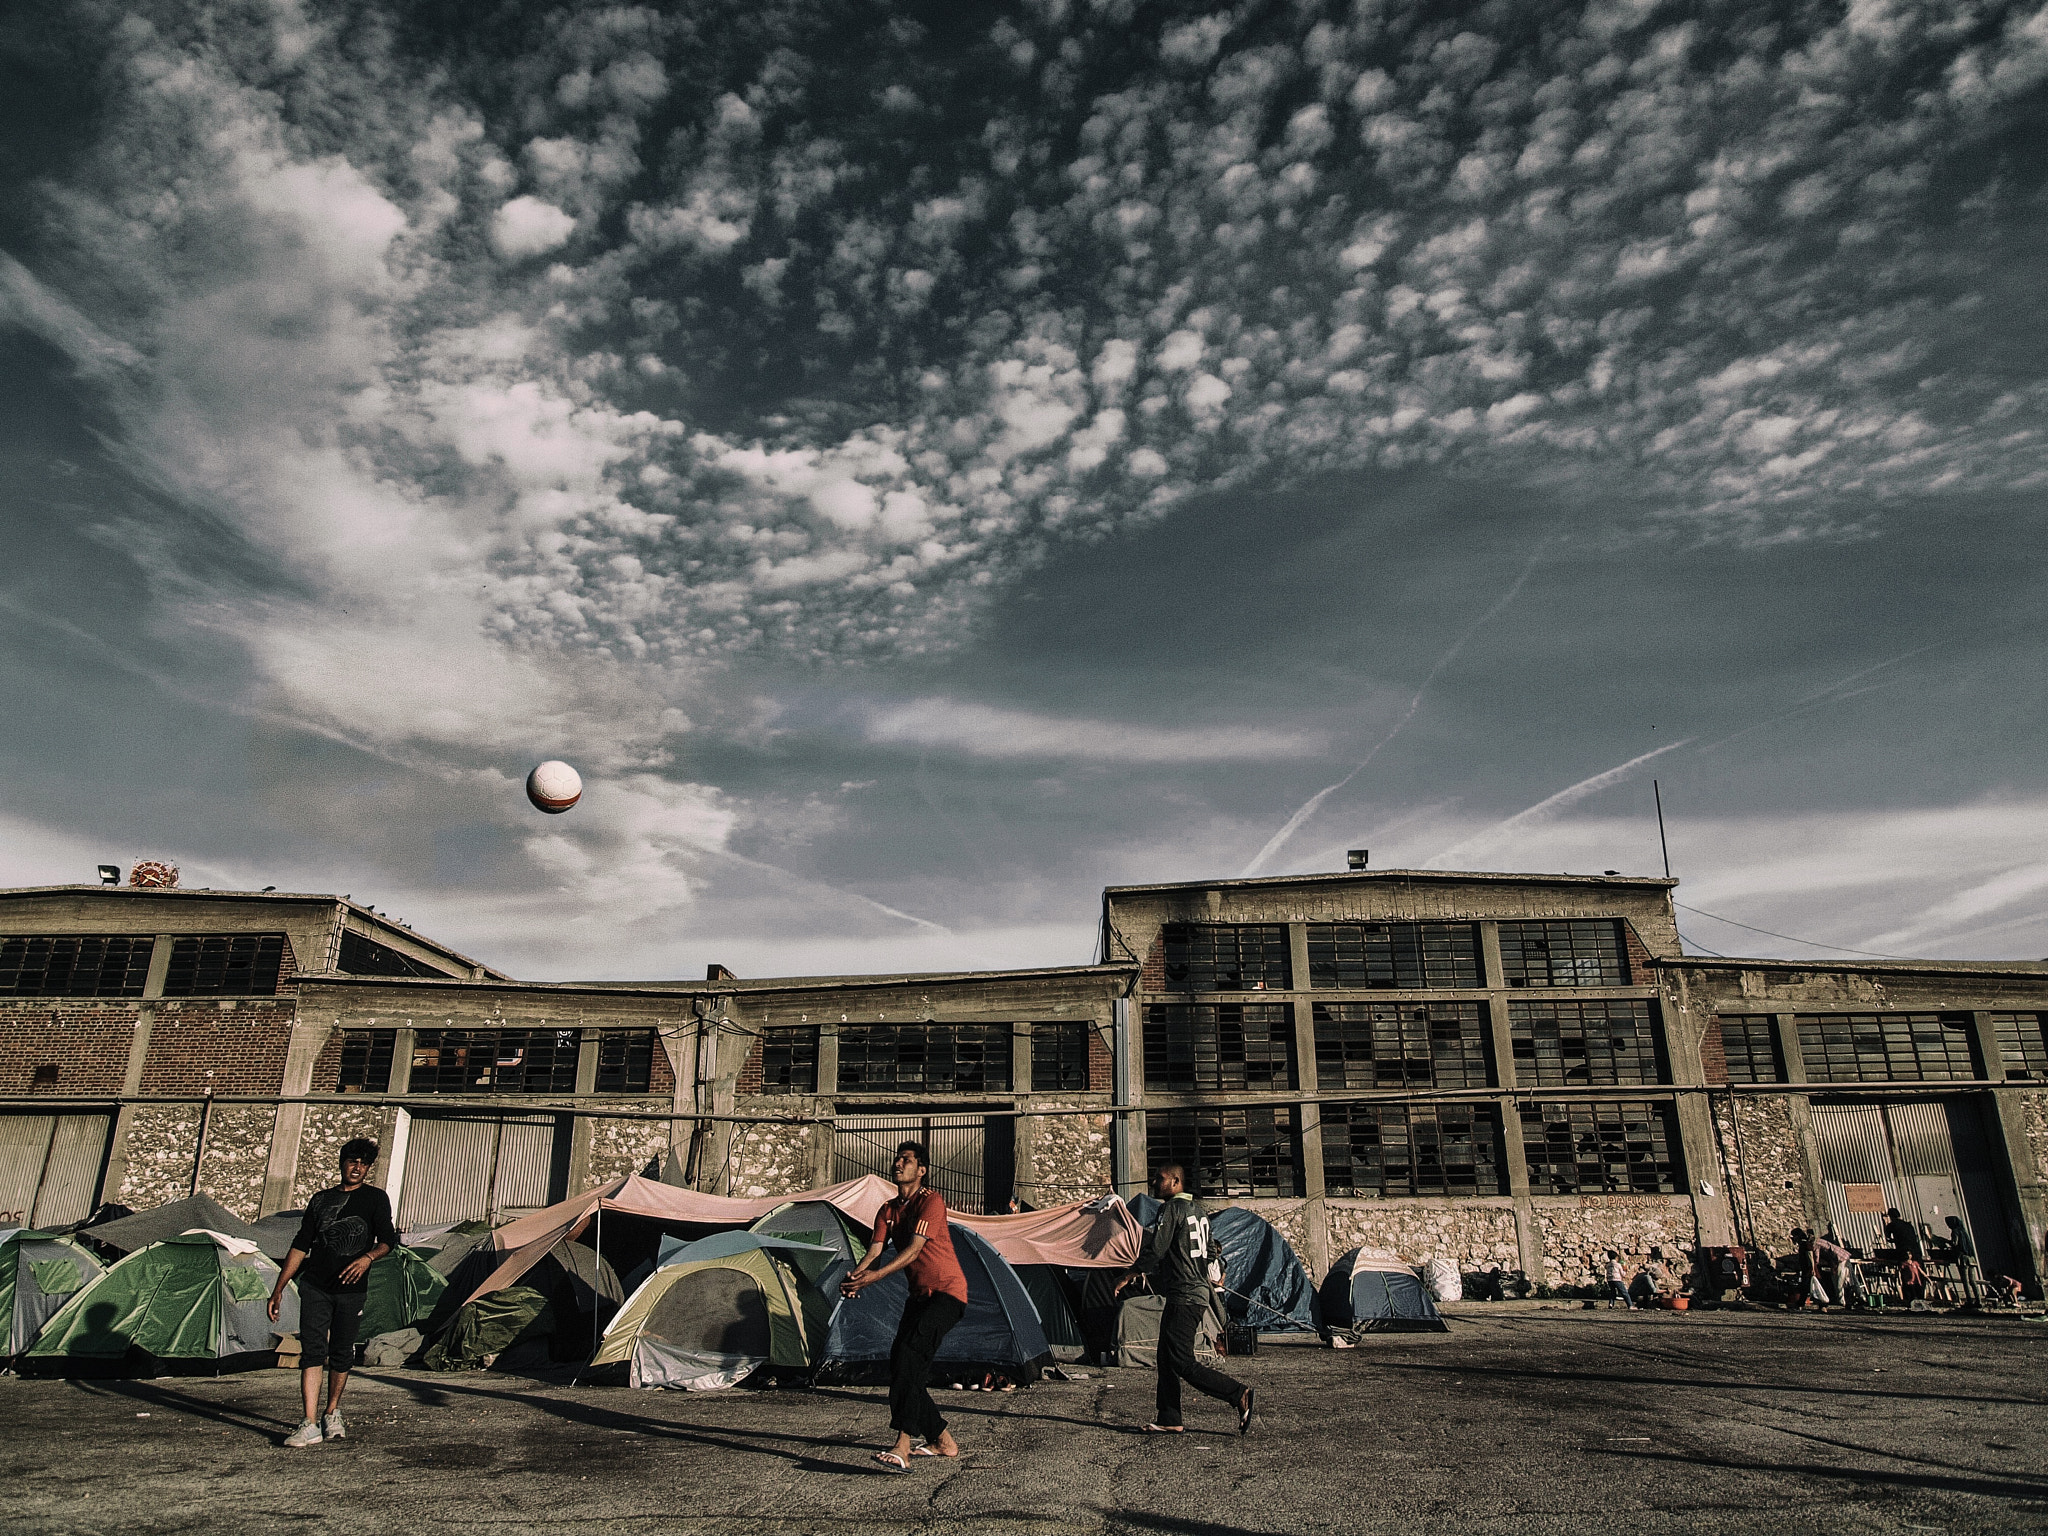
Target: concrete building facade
{"x": 1519, "y": 1070}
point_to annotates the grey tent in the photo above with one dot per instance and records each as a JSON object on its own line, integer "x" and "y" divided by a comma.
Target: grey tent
{"x": 274, "y": 1233}
{"x": 1372, "y": 1290}
{"x": 1137, "y": 1330}
{"x": 814, "y": 1221}
{"x": 1056, "y": 1293}
{"x": 39, "y": 1273}
{"x": 194, "y": 1213}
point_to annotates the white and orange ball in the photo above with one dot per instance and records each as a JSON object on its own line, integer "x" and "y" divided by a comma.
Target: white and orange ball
{"x": 554, "y": 787}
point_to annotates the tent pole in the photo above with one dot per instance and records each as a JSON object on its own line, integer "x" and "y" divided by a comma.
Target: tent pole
{"x": 596, "y": 1274}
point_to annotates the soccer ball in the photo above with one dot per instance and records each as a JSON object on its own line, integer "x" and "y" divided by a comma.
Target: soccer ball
{"x": 554, "y": 787}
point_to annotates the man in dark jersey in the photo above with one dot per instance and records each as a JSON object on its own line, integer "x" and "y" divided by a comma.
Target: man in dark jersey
{"x": 1185, "y": 1267}
{"x": 345, "y": 1230}
{"x": 914, "y": 1223}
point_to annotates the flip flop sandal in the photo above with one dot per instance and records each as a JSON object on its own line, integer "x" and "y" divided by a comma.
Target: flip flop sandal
{"x": 891, "y": 1463}
{"x": 926, "y": 1450}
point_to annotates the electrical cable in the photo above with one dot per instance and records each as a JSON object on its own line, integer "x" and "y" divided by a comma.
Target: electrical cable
{"x": 1788, "y": 938}
{"x": 1694, "y": 944}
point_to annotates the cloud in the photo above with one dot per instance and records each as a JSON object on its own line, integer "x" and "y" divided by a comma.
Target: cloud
{"x": 527, "y": 226}
{"x": 981, "y": 730}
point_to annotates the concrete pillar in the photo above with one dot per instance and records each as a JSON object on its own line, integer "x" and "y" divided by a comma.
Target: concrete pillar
{"x": 302, "y": 1053}
{"x": 131, "y": 1078}
{"x": 1514, "y": 1156}
{"x": 1309, "y": 1122}
{"x": 1699, "y": 1149}
{"x": 1813, "y": 1195}
{"x": 678, "y": 1045}
{"x": 1127, "y": 1080}
{"x": 582, "y": 1129}
{"x": 1024, "y": 1128}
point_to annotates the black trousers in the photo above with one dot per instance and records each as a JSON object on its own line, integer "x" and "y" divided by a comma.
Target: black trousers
{"x": 328, "y": 1321}
{"x": 926, "y": 1322}
{"x": 1177, "y": 1363}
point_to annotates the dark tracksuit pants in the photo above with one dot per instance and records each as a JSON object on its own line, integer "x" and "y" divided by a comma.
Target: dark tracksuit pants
{"x": 926, "y": 1322}
{"x": 1177, "y": 1363}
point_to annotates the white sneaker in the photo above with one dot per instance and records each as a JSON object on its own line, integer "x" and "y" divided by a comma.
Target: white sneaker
{"x": 332, "y": 1428}
{"x": 306, "y": 1434}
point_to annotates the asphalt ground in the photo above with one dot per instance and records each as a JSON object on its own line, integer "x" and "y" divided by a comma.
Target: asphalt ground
{"x": 1516, "y": 1420}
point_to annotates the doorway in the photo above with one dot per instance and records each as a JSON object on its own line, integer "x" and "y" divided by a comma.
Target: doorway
{"x": 1929, "y": 1158}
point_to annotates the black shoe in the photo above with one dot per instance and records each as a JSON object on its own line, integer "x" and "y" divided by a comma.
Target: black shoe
{"x": 1244, "y": 1412}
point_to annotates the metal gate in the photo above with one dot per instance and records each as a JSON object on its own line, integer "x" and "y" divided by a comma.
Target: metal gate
{"x": 973, "y": 1157}
{"x": 478, "y": 1168}
{"x": 50, "y": 1167}
{"x": 1931, "y": 1160}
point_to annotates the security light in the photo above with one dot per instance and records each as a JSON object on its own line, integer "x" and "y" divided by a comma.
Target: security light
{"x": 110, "y": 874}
{"x": 1356, "y": 857}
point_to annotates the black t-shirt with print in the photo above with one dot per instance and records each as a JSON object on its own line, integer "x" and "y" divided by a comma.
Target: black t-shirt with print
{"x": 339, "y": 1227}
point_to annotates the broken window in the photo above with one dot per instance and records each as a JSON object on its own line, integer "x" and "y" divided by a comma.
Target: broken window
{"x": 789, "y": 1059}
{"x": 366, "y": 1061}
{"x": 1393, "y": 955}
{"x": 1193, "y": 1047}
{"x": 1213, "y": 957}
{"x": 1059, "y": 1056}
{"x": 924, "y": 1058}
{"x": 1584, "y": 1044}
{"x": 1412, "y": 1149}
{"x": 625, "y": 1061}
{"x": 495, "y": 1060}
{"x": 1593, "y": 1148}
{"x": 1400, "y": 1045}
{"x": 365, "y": 957}
{"x": 82, "y": 965}
{"x": 1886, "y": 1047}
{"x": 225, "y": 965}
{"x": 2023, "y": 1042}
{"x": 1750, "y": 1045}
{"x": 1585, "y": 953}
{"x": 1250, "y": 1151}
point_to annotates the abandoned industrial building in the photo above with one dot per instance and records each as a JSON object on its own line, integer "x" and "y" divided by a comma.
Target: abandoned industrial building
{"x": 1510, "y": 1069}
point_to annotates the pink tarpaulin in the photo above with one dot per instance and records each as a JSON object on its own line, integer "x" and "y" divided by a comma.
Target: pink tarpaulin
{"x": 1095, "y": 1234}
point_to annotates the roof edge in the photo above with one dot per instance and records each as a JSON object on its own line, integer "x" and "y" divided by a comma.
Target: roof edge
{"x": 1502, "y": 877}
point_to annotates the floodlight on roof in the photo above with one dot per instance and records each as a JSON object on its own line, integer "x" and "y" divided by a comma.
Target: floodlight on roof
{"x": 1357, "y": 857}
{"x": 110, "y": 874}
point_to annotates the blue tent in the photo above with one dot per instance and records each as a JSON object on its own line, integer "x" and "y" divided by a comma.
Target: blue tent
{"x": 1376, "y": 1291}
{"x": 1268, "y": 1289}
{"x": 1000, "y": 1332}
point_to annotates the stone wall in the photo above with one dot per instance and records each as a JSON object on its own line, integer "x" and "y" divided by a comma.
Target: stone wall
{"x": 620, "y": 1147}
{"x": 238, "y": 1141}
{"x": 1766, "y": 1181}
{"x": 1473, "y": 1234}
{"x": 1578, "y": 1232}
{"x": 768, "y": 1159}
{"x": 327, "y": 1127}
{"x": 161, "y": 1142}
{"x": 1070, "y": 1157}
{"x": 1289, "y": 1218}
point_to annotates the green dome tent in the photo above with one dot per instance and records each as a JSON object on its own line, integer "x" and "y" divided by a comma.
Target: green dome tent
{"x": 814, "y": 1221}
{"x": 39, "y": 1272}
{"x": 719, "y": 1310}
{"x": 551, "y": 1299}
{"x": 196, "y": 1296}
{"x": 403, "y": 1290}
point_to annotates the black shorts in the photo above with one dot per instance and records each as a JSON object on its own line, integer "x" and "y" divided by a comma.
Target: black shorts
{"x": 328, "y": 1321}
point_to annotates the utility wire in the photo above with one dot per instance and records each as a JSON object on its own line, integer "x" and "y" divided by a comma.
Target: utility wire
{"x": 1695, "y": 944}
{"x": 1788, "y": 938}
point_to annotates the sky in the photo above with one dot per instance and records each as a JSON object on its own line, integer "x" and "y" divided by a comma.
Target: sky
{"x": 923, "y": 464}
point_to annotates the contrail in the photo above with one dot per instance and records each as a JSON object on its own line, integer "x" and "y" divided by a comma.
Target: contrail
{"x": 1315, "y": 801}
{"x": 1828, "y": 695}
{"x": 1543, "y": 810}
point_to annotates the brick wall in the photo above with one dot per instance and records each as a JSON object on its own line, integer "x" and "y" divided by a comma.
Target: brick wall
{"x": 327, "y": 1065}
{"x": 288, "y": 968}
{"x": 87, "y": 1040}
{"x": 1639, "y": 970}
{"x": 243, "y": 1046}
{"x": 750, "y": 1070}
{"x": 1101, "y": 1064}
{"x": 1152, "y": 977}
{"x": 1713, "y": 1053}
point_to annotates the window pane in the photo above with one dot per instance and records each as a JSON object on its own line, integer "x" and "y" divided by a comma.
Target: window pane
{"x": 1412, "y": 1149}
{"x": 495, "y": 1060}
{"x": 1583, "y": 1044}
{"x": 924, "y": 1058}
{"x": 362, "y": 957}
{"x": 2023, "y": 1042}
{"x": 1228, "y": 1151}
{"x": 625, "y": 1061}
{"x": 225, "y": 965}
{"x": 1751, "y": 1047}
{"x": 1588, "y": 1148}
{"x": 1210, "y": 957}
{"x": 789, "y": 1059}
{"x": 1574, "y": 954}
{"x": 1190, "y": 1047}
{"x": 366, "y": 1061}
{"x": 1393, "y": 955}
{"x": 84, "y": 965}
{"x": 1059, "y": 1056}
{"x": 1400, "y": 1045}
{"x": 1886, "y": 1047}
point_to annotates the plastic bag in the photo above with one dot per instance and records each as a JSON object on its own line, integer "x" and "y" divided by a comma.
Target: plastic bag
{"x": 1444, "y": 1282}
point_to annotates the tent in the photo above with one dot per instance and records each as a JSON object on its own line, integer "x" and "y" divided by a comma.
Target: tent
{"x": 1137, "y": 1331}
{"x": 1056, "y": 1294}
{"x": 195, "y": 1296}
{"x": 720, "y": 1309}
{"x": 1268, "y": 1289}
{"x": 813, "y": 1221}
{"x": 403, "y": 1290}
{"x": 274, "y": 1233}
{"x": 194, "y": 1213}
{"x": 1373, "y": 1290}
{"x": 1000, "y": 1331}
{"x": 39, "y": 1272}
{"x": 558, "y": 1296}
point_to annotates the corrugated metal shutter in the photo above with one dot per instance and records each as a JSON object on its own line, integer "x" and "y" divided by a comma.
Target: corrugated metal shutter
{"x": 1853, "y": 1148}
{"x": 50, "y": 1167}
{"x": 1927, "y": 1162}
{"x": 959, "y": 1146}
{"x": 24, "y": 1146}
{"x": 475, "y": 1167}
{"x": 526, "y": 1155}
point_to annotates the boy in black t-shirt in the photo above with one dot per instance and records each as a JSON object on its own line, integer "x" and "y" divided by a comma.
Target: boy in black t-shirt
{"x": 345, "y": 1230}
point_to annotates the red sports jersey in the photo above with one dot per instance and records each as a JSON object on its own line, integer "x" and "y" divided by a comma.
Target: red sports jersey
{"x": 935, "y": 1271}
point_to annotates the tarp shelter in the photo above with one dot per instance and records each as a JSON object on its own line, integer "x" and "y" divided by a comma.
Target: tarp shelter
{"x": 195, "y": 1296}
{"x": 1000, "y": 1331}
{"x": 274, "y": 1233}
{"x": 1378, "y": 1291}
{"x": 39, "y": 1273}
{"x": 1268, "y": 1289}
{"x": 722, "y": 1308}
{"x": 194, "y": 1213}
{"x": 561, "y": 1296}
{"x": 402, "y": 1293}
{"x": 813, "y": 1221}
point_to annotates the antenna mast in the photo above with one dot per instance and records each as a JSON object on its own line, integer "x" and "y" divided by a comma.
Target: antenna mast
{"x": 1658, "y": 791}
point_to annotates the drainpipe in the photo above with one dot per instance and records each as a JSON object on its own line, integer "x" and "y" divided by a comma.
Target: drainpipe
{"x": 205, "y": 1123}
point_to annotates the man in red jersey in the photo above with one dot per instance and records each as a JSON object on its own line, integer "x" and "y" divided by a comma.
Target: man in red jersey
{"x": 914, "y": 1223}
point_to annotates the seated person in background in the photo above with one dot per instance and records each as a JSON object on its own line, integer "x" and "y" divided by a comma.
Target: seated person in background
{"x": 2007, "y": 1291}
{"x": 1488, "y": 1286}
{"x": 1912, "y": 1280}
